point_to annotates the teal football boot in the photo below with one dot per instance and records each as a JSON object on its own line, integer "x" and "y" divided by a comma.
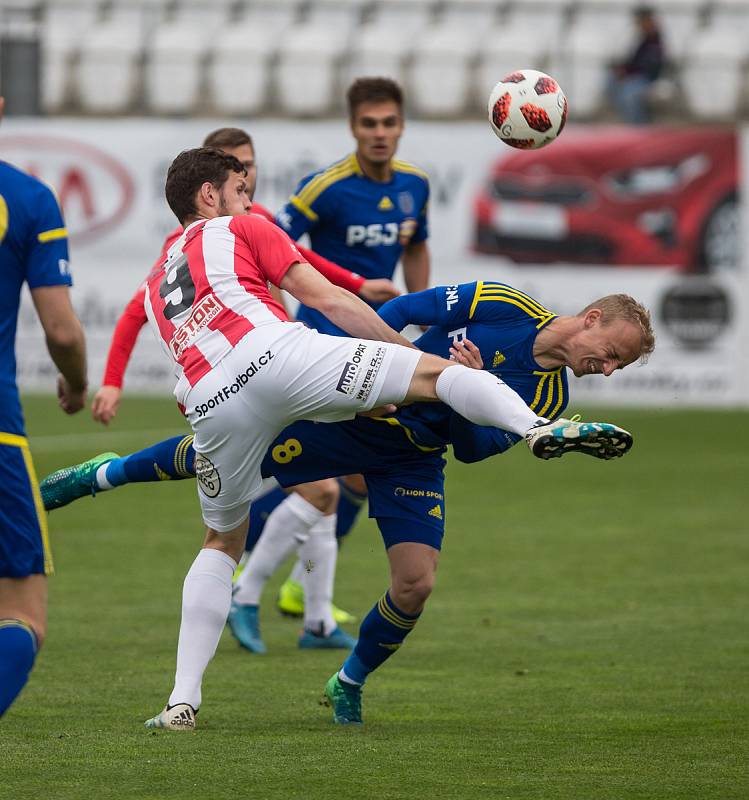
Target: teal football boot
{"x": 345, "y": 700}
{"x": 244, "y": 623}
{"x": 336, "y": 640}
{"x": 599, "y": 439}
{"x": 70, "y": 483}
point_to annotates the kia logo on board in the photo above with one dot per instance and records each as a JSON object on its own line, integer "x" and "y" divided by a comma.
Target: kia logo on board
{"x": 95, "y": 190}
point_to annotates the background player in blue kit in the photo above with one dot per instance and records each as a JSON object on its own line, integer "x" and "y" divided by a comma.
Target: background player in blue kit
{"x": 33, "y": 250}
{"x": 401, "y": 455}
{"x": 367, "y": 211}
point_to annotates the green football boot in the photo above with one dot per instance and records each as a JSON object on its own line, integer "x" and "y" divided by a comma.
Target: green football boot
{"x": 69, "y": 483}
{"x": 345, "y": 700}
{"x": 291, "y": 603}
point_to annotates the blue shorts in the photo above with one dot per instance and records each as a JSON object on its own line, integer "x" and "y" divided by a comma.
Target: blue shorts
{"x": 312, "y": 318}
{"x": 406, "y": 486}
{"x": 24, "y": 544}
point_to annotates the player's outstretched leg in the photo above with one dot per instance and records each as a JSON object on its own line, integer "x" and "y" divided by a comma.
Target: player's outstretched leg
{"x": 484, "y": 399}
{"x": 171, "y": 459}
{"x": 598, "y": 439}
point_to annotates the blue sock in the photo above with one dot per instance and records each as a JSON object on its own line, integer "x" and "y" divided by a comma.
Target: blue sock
{"x": 260, "y": 510}
{"x": 381, "y": 633}
{"x": 17, "y": 654}
{"x": 170, "y": 460}
{"x": 349, "y": 506}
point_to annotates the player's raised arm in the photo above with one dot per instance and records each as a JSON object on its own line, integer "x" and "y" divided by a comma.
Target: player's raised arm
{"x": 443, "y": 305}
{"x": 339, "y": 306}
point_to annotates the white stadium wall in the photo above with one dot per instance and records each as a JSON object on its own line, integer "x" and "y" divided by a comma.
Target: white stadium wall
{"x": 109, "y": 175}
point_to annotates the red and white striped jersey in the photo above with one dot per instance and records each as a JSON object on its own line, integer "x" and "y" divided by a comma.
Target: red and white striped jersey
{"x": 212, "y": 290}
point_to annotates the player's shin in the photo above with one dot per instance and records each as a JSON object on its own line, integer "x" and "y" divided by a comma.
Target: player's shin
{"x": 285, "y": 529}
{"x": 171, "y": 459}
{"x": 319, "y": 555}
{"x": 381, "y": 633}
{"x": 206, "y": 598}
{"x": 482, "y": 398}
{"x": 17, "y": 654}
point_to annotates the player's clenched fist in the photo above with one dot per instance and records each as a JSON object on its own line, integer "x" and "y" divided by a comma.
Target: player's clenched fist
{"x": 70, "y": 400}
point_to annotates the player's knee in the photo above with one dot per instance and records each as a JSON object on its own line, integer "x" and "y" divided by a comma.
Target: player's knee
{"x": 323, "y": 495}
{"x": 410, "y": 592}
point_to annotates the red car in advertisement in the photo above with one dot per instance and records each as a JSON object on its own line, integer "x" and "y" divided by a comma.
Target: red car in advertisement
{"x": 620, "y": 196}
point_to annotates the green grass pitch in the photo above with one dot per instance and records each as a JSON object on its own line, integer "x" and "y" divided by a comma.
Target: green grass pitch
{"x": 587, "y": 638}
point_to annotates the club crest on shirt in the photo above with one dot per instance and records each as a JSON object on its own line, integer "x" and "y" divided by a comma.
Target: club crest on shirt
{"x": 209, "y": 481}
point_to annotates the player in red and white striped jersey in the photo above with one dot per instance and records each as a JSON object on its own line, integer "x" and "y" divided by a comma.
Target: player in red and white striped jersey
{"x": 238, "y": 143}
{"x": 244, "y": 372}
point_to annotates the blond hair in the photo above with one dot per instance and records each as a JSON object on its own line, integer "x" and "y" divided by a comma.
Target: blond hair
{"x": 622, "y": 306}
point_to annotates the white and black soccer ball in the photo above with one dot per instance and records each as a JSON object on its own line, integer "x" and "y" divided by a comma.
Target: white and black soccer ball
{"x": 527, "y": 109}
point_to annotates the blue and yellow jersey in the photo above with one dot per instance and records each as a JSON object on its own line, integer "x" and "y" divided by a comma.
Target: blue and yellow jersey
{"x": 503, "y": 323}
{"x": 33, "y": 250}
{"x": 356, "y": 222}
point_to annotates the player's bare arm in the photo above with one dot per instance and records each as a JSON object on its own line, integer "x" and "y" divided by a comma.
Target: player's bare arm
{"x": 415, "y": 260}
{"x": 378, "y": 290}
{"x": 65, "y": 343}
{"x": 341, "y": 307}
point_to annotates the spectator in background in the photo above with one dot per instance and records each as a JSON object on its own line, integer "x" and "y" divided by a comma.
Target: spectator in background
{"x": 631, "y": 79}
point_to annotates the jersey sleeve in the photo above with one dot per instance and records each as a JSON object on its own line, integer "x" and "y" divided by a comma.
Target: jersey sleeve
{"x": 335, "y": 274}
{"x": 273, "y": 250}
{"x": 473, "y": 442}
{"x": 300, "y": 214}
{"x": 444, "y": 305}
{"x": 47, "y": 256}
{"x": 125, "y": 335}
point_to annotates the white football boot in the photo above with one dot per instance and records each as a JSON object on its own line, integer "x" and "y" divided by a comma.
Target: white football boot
{"x": 177, "y": 718}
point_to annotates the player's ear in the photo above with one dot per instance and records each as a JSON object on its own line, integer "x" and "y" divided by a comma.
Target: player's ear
{"x": 592, "y": 317}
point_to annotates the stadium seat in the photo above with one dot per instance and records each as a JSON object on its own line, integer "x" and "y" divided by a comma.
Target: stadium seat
{"x": 729, "y": 15}
{"x": 507, "y": 47}
{"x": 214, "y": 14}
{"x": 271, "y": 17}
{"x": 377, "y": 50}
{"x": 108, "y": 67}
{"x": 471, "y": 15}
{"x": 239, "y": 74}
{"x": 441, "y": 75}
{"x": 718, "y": 60}
{"x": 306, "y": 71}
{"x": 64, "y": 26}
{"x": 175, "y": 68}
{"x": 402, "y": 15}
{"x": 340, "y": 15}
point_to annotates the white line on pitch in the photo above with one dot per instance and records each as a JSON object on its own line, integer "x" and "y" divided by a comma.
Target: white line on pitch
{"x": 100, "y": 441}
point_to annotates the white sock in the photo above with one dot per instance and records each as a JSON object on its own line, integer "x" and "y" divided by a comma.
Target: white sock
{"x": 298, "y": 573}
{"x": 319, "y": 555}
{"x": 285, "y": 529}
{"x": 484, "y": 399}
{"x": 206, "y": 598}
{"x": 102, "y": 484}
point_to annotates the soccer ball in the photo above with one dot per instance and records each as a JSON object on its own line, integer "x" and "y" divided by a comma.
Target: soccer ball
{"x": 527, "y": 109}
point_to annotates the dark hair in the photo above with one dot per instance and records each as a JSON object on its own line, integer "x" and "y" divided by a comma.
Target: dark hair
{"x": 373, "y": 90}
{"x": 227, "y": 137}
{"x": 190, "y": 170}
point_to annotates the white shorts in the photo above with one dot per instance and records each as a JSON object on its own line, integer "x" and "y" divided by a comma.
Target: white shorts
{"x": 276, "y": 375}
